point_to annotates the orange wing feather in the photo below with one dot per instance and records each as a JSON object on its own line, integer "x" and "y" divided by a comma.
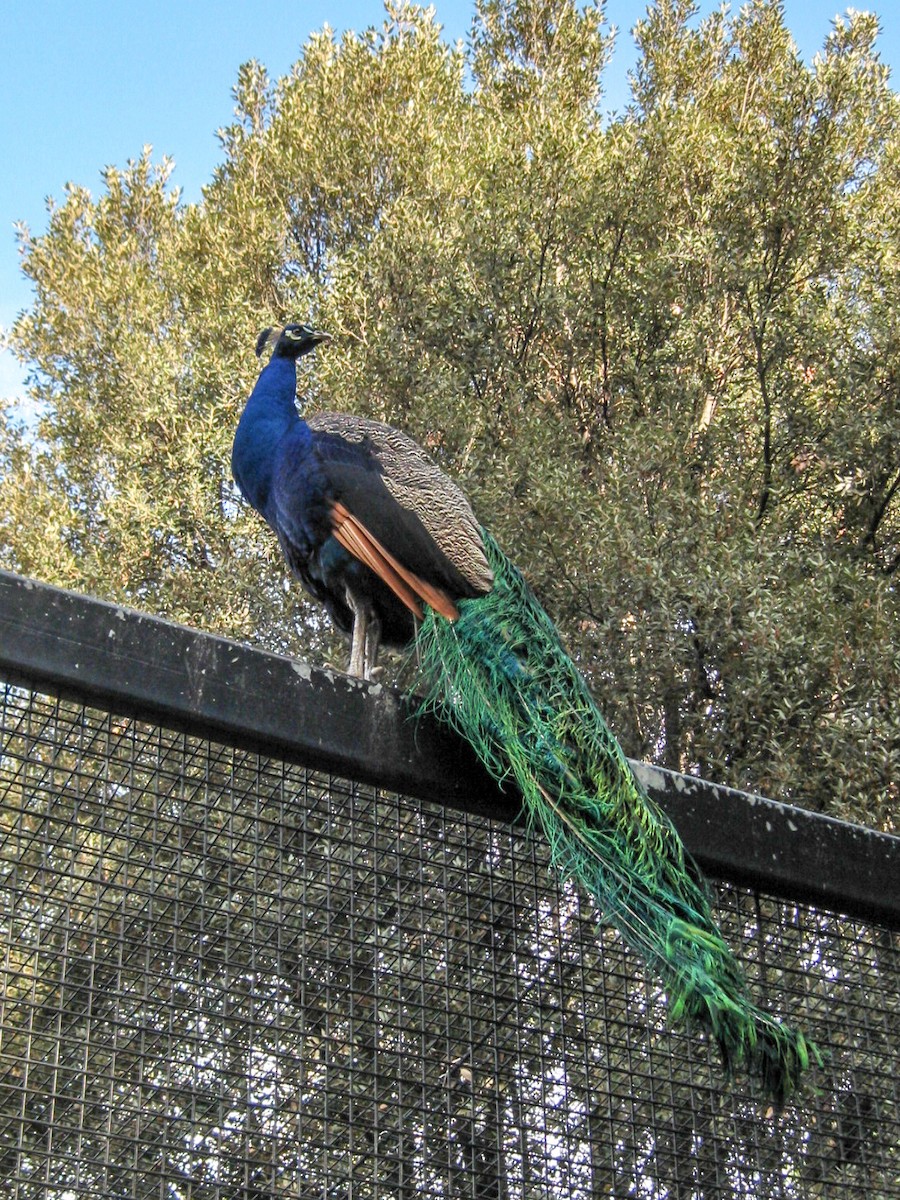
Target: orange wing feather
{"x": 405, "y": 584}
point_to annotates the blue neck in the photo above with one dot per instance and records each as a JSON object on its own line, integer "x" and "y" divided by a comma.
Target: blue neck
{"x": 269, "y": 416}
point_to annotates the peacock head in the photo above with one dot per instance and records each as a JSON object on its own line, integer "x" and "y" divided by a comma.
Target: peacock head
{"x": 289, "y": 341}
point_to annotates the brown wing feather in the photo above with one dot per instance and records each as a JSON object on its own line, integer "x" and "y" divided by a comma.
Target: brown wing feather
{"x": 408, "y": 587}
{"x": 419, "y": 487}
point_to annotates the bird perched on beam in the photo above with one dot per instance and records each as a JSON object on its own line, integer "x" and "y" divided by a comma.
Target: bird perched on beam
{"x": 389, "y": 544}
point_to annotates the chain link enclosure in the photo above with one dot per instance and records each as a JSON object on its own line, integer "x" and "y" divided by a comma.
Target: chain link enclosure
{"x": 229, "y": 975}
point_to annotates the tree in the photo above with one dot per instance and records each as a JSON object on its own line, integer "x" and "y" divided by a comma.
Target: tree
{"x": 659, "y": 350}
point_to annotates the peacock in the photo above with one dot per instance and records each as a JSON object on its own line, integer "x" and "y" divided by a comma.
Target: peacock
{"x": 377, "y": 533}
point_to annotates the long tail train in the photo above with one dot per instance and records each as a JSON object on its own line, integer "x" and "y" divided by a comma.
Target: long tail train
{"x": 500, "y": 676}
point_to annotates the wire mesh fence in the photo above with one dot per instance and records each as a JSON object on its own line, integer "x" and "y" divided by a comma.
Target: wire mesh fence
{"x": 228, "y": 976}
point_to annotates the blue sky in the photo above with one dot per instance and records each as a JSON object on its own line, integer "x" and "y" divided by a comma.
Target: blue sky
{"x": 86, "y": 84}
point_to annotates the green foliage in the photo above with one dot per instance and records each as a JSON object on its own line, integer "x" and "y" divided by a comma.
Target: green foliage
{"x": 660, "y": 351}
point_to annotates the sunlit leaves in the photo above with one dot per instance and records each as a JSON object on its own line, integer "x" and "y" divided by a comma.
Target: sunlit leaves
{"x": 659, "y": 349}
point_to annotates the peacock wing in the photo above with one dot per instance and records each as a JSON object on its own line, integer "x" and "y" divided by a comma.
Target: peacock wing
{"x": 395, "y": 493}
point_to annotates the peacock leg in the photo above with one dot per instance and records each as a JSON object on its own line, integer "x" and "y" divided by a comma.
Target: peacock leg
{"x": 363, "y": 623}
{"x": 372, "y": 643}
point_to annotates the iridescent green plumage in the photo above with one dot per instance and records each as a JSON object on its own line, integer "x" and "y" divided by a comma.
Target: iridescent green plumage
{"x": 500, "y": 676}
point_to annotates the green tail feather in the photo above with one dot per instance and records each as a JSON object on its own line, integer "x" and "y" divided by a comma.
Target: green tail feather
{"x": 501, "y": 677}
